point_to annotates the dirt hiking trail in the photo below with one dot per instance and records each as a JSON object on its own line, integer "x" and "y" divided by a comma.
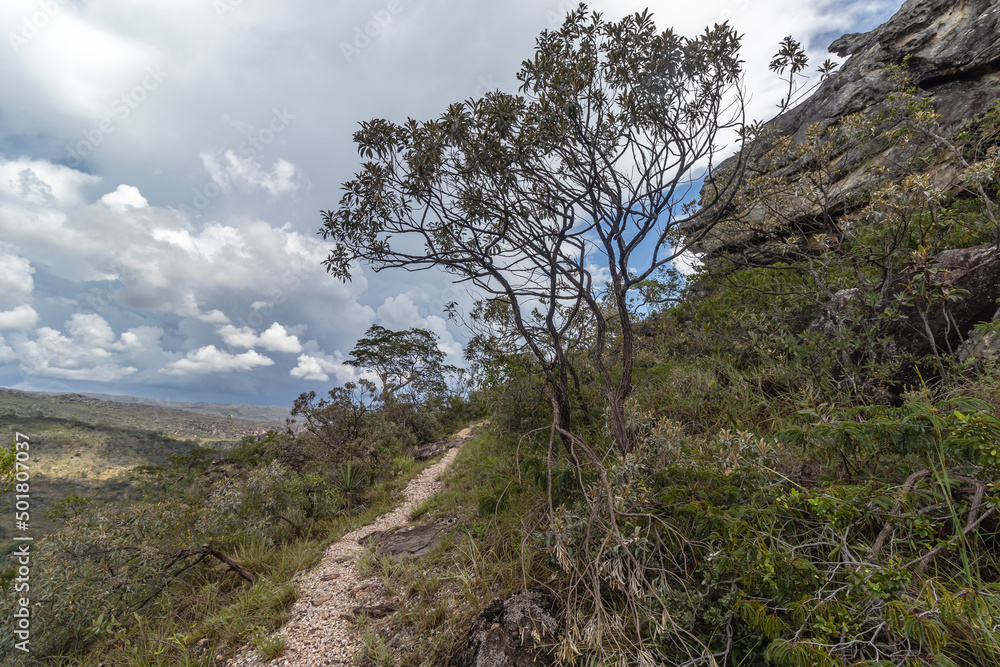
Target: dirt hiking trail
{"x": 321, "y": 630}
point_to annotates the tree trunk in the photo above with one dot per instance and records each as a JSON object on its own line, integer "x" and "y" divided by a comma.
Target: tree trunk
{"x": 619, "y": 393}
{"x": 619, "y": 427}
{"x": 561, "y": 416}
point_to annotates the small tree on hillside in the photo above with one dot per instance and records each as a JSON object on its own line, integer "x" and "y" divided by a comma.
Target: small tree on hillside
{"x": 403, "y": 360}
{"x": 559, "y": 202}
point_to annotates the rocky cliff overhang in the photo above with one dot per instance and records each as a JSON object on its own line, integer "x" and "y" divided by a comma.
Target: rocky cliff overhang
{"x": 951, "y": 50}
{"x": 954, "y": 57}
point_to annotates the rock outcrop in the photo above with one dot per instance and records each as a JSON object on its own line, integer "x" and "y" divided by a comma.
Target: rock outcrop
{"x": 514, "y": 632}
{"x": 405, "y": 542}
{"x": 982, "y": 344}
{"x": 951, "y": 50}
{"x": 954, "y": 57}
{"x": 429, "y": 450}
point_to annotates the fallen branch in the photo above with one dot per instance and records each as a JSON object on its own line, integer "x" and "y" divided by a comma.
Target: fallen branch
{"x": 895, "y": 514}
{"x": 233, "y": 565}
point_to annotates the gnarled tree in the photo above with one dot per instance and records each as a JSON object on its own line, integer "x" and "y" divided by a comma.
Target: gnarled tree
{"x": 560, "y": 201}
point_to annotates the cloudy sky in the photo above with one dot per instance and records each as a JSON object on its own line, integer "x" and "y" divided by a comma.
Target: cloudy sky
{"x": 163, "y": 166}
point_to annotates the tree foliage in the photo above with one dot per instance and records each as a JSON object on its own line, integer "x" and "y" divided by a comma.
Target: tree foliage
{"x": 407, "y": 360}
{"x": 560, "y": 201}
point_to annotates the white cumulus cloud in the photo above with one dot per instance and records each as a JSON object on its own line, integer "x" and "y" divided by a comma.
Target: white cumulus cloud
{"x": 16, "y": 282}
{"x": 210, "y": 359}
{"x": 42, "y": 182}
{"x": 318, "y": 367}
{"x": 88, "y": 351}
{"x": 7, "y": 353}
{"x": 275, "y": 339}
{"x": 21, "y": 318}
{"x": 125, "y": 195}
{"x": 401, "y": 312}
{"x": 228, "y": 169}
{"x": 214, "y": 316}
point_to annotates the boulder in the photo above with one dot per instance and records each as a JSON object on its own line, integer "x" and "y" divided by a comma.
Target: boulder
{"x": 982, "y": 343}
{"x": 406, "y": 542}
{"x": 974, "y": 270}
{"x": 828, "y": 322}
{"x": 518, "y": 631}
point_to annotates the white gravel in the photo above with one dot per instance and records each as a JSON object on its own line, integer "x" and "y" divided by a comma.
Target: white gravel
{"x": 320, "y": 631}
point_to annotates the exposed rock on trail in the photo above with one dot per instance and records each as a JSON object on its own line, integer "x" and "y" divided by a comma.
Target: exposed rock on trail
{"x": 432, "y": 449}
{"x": 511, "y": 633}
{"x": 412, "y": 541}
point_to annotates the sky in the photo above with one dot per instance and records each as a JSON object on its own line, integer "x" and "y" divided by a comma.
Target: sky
{"x": 163, "y": 166}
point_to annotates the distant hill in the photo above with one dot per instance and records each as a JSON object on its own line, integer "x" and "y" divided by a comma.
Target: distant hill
{"x": 263, "y": 413}
{"x": 173, "y": 421}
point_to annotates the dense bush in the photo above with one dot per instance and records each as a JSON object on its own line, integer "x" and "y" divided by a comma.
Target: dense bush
{"x": 720, "y": 546}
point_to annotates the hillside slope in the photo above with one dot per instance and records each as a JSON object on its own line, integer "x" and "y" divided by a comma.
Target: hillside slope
{"x": 257, "y": 413}
{"x": 83, "y": 446}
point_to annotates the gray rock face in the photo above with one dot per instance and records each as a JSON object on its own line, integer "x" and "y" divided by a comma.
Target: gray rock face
{"x": 511, "y": 633}
{"x": 954, "y": 50}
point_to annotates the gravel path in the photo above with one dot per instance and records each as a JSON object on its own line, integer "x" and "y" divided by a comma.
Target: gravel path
{"x": 321, "y": 629}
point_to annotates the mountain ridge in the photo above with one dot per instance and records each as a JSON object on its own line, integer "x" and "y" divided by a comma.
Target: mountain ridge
{"x": 244, "y": 411}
